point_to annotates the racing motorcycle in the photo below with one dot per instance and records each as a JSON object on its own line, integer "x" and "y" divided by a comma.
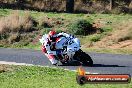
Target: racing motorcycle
{"x": 70, "y": 51}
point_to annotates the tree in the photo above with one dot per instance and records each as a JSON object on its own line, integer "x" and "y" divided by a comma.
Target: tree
{"x": 111, "y": 4}
{"x": 130, "y": 5}
{"x": 69, "y": 6}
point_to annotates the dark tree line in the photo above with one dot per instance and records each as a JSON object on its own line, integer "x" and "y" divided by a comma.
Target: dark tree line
{"x": 128, "y": 2}
{"x": 28, "y": 4}
{"x": 70, "y": 4}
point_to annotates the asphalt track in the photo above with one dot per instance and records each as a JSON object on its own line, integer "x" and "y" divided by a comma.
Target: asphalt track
{"x": 103, "y": 63}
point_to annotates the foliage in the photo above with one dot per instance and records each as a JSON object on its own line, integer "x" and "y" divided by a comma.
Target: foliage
{"x": 81, "y": 27}
{"x": 16, "y": 23}
{"x": 126, "y": 36}
{"x": 95, "y": 38}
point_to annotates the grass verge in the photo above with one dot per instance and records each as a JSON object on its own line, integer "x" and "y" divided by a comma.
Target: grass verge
{"x": 44, "y": 77}
{"x": 108, "y": 50}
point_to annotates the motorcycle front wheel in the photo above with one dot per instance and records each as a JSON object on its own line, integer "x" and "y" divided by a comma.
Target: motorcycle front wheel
{"x": 84, "y": 58}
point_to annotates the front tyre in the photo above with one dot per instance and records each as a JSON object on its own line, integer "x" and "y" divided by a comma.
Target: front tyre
{"x": 87, "y": 61}
{"x": 84, "y": 58}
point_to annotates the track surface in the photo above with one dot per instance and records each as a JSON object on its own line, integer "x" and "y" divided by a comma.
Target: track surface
{"x": 103, "y": 63}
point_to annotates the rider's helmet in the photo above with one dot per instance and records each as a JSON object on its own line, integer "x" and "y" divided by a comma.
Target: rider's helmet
{"x": 51, "y": 34}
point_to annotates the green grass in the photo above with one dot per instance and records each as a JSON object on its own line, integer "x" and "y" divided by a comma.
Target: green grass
{"x": 44, "y": 77}
{"x": 4, "y": 12}
{"x": 106, "y": 17}
{"x": 107, "y": 50}
{"x": 91, "y": 38}
{"x": 33, "y": 46}
{"x": 109, "y": 21}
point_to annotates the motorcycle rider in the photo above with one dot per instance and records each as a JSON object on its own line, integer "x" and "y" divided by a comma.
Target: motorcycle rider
{"x": 52, "y": 44}
{"x": 47, "y": 48}
{"x": 50, "y": 47}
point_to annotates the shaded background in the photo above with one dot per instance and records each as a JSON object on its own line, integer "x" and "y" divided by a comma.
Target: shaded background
{"x": 76, "y": 6}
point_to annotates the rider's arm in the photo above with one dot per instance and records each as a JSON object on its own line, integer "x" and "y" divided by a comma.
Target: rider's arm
{"x": 49, "y": 50}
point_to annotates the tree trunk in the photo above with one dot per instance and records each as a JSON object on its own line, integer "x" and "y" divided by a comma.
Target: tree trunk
{"x": 70, "y": 6}
{"x": 130, "y": 5}
{"x": 111, "y": 4}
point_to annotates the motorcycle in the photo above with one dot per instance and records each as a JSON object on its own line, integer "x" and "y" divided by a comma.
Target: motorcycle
{"x": 70, "y": 51}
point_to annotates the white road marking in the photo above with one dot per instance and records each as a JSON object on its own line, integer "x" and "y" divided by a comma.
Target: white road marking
{"x": 85, "y": 72}
{"x": 14, "y": 63}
